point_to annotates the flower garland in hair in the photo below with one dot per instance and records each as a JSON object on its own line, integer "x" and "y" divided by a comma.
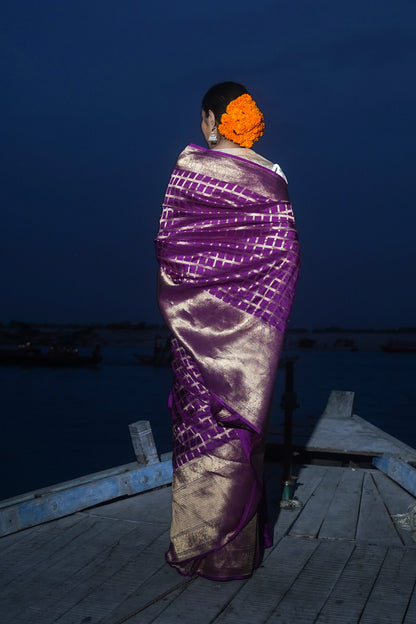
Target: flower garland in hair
{"x": 242, "y": 122}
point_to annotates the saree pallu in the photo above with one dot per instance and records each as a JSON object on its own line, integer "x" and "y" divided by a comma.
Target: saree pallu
{"x": 229, "y": 259}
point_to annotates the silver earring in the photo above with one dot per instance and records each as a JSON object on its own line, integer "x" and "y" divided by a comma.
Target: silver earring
{"x": 213, "y": 137}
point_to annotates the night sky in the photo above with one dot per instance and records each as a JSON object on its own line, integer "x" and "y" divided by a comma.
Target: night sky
{"x": 99, "y": 97}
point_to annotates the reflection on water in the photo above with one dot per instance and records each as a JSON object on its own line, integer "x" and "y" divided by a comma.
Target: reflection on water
{"x": 59, "y": 424}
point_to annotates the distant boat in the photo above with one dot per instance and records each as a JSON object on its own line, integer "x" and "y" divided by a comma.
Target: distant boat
{"x": 399, "y": 346}
{"x": 55, "y": 357}
{"x": 151, "y": 360}
{"x": 345, "y": 344}
{"x": 162, "y": 355}
{"x": 307, "y": 343}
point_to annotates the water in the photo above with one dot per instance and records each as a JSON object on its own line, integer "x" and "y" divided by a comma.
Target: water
{"x": 60, "y": 424}
{"x": 384, "y": 386}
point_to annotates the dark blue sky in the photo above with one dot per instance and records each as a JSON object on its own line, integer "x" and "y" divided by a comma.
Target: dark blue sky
{"x": 99, "y": 97}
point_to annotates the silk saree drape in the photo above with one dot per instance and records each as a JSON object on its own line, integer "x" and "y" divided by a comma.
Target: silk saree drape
{"x": 229, "y": 259}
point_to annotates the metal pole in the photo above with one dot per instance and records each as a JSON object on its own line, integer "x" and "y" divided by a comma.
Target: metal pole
{"x": 289, "y": 404}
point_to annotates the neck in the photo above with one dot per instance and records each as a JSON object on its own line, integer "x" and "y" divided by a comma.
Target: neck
{"x": 225, "y": 144}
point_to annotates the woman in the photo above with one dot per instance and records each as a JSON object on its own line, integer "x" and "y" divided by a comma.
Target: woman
{"x": 228, "y": 253}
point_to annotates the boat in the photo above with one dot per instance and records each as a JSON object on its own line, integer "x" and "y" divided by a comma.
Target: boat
{"x": 55, "y": 357}
{"x": 345, "y": 344}
{"x": 161, "y": 355}
{"x": 151, "y": 360}
{"x": 92, "y": 549}
{"x": 399, "y": 346}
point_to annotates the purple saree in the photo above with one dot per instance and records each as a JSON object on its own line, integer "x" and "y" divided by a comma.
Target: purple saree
{"x": 229, "y": 258}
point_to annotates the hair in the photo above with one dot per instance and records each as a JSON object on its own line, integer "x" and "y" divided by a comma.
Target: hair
{"x": 219, "y": 96}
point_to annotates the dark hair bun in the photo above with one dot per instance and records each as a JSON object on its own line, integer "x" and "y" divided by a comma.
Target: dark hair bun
{"x": 219, "y": 96}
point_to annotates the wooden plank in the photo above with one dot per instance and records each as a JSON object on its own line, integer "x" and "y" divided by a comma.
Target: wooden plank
{"x": 83, "y": 589}
{"x": 127, "y": 589}
{"x": 395, "y": 497}
{"x": 159, "y": 605}
{"x": 312, "y": 588}
{"x": 340, "y": 404}
{"x": 257, "y": 599}
{"x": 398, "y": 470}
{"x": 201, "y": 600}
{"x": 31, "y": 539}
{"x": 154, "y": 506}
{"x": 378, "y": 442}
{"x": 341, "y": 519}
{"x": 410, "y": 617}
{"x": 375, "y": 524}
{"x": 20, "y": 562}
{"x": 310, "y": 520}
{"x": 389, "y": 599}
{"x": 147, "y": 598}
{"x": 64, "y": 499}
{"x": 397, "y": 501}
{"x": 37, "y": 591}
{"x": 96, "y": 476}
{"x": 354, "y": 435}
{"x": 307, "y": 482}
{"x": 64, "y": 562}
{"x": 350, "y": 594}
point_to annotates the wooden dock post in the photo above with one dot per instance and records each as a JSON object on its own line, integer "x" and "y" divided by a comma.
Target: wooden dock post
{"x": 143, "y": 442}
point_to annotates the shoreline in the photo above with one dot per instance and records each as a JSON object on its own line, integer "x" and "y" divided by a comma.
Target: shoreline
{"x": 136, "y": 335}
{"x": 345, "y": 340}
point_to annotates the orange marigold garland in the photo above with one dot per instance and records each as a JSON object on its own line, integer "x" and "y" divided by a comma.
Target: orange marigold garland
{"x": 242, "y": 122}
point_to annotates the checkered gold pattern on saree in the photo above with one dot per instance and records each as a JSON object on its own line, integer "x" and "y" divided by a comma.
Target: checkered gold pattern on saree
{"x": 242, "y": 246}
{"x": 196, "y": 430}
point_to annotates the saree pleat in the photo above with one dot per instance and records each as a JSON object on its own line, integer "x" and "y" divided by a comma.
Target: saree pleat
{"x": 229, "y": 258}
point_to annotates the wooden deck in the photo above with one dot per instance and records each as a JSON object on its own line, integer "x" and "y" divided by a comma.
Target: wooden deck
{"x": 339, "y": 431}
{"x": 339, "y": 559}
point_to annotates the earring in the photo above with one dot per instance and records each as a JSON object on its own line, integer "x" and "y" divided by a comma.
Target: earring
{"x": 213, "y": 137}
